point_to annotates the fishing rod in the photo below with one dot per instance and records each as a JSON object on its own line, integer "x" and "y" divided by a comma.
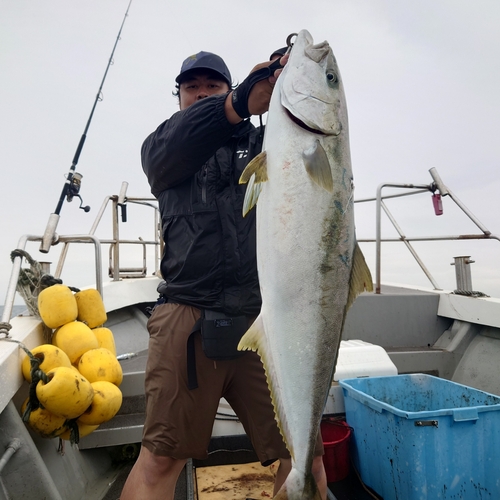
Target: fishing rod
{"x": 72, "y": 185}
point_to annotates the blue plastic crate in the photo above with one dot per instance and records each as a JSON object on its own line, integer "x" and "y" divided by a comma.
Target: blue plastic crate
{"x": 418, "y": 437}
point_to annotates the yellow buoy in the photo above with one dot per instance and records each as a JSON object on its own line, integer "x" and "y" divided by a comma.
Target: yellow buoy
{"x": 91, "y": 308}
{"x": 105, "y": 339}
{"x": 83, "y": 430}
{"x": 105, "y": 405}
{"x": 57, "y": 306}
{"x": 67, "y": 394}
{"x": 44, "y": 422}
{"x": 100, "y": 364}
{"x": 74, "y": 339}
{"x": 51, "y": 356}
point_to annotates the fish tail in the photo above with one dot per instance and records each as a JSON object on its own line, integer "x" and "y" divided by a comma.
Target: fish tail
{"x": 298, "y": 487}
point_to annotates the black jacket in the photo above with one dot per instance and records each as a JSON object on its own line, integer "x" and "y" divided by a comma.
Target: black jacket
{"x": 193, "y": 162}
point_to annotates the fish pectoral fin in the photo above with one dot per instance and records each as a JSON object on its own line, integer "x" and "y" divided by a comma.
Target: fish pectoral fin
{"x": 254, "y": 174}
{"x": 251, "y": 195}
{"x": 257, "y": 166}
{"x": 361, "y": 278}
{"x": 318, "y": 166}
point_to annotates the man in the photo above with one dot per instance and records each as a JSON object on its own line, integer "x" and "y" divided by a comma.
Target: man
{"x": 193, "y": 162}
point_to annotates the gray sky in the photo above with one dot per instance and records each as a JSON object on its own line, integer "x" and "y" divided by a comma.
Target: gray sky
{"x": 421, "y": 80}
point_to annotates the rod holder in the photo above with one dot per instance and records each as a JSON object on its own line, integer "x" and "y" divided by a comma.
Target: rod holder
{"x": 123, "y": 193}
{"x": 122, "y": 200}
{"x": 45, "y": 265}
{"x": 463, "y": 273}
{"x": 49, "y": 237}
{"x": 438, "y": 181}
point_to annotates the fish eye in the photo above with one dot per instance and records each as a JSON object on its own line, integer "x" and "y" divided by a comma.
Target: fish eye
{"x": 331, "y": 77}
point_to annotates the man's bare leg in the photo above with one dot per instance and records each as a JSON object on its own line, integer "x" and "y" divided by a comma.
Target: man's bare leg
{"x": 153, "y": 477}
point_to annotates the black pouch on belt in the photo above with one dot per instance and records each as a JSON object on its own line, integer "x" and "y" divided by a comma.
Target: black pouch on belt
{"x": 220, "y": 335}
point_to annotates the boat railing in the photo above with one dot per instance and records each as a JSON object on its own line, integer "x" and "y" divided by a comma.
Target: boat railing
{"x": 438, "y": 188}
{"x": 119, "y": 204}
{"x": 16, "y": 270}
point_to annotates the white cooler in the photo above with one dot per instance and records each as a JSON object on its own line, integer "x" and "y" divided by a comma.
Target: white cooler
{"x": 357, "y": 359}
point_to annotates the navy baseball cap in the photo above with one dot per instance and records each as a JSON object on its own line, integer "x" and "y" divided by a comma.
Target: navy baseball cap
{"x": 205, "y": 60}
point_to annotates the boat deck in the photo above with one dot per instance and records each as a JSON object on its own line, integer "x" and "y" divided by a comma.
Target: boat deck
{"x": 238, "y": 450}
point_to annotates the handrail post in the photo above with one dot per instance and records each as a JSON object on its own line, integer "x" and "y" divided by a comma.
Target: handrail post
{"x": 116, "y": 245}
{"x": 97, "y": 255}
{"x": 14, "y": 276}
{"x": 378, "y": 237}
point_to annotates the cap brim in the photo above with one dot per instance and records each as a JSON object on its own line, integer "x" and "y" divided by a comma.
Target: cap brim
{"x": 185, "y": 75}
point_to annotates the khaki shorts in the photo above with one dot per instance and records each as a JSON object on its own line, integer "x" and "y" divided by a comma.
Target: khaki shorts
{"x": 179, "y": 421}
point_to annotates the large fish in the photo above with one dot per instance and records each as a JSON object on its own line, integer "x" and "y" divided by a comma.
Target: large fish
{"x": 310, "y": 266}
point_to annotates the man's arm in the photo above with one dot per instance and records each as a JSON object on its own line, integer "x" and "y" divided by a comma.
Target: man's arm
{"x": 180, "y": 146}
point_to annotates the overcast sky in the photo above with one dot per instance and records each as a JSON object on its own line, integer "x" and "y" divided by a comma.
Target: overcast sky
{"x": 422, "y": 88}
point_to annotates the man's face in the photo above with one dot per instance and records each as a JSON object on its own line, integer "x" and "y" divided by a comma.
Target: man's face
{"x": 198, "y": 85}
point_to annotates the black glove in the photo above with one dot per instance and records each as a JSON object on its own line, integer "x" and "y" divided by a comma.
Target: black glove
{"x": 241, "y": 93}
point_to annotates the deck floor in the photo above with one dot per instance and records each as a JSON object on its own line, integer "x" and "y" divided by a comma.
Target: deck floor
{"x": 237, "y": 450}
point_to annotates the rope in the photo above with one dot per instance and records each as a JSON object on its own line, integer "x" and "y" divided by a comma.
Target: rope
{"x": 32, "y": 281}
{"x": 29, "y": 285}
{"x": 36, "y": 375}
{"x": 74, "y": 434}
{"x": 469, "y": 293}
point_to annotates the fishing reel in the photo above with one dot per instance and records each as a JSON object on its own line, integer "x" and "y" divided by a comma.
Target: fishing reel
{"x": 74, "y": 189}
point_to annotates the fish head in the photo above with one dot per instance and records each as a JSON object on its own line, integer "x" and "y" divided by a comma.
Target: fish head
{"x": 311, "y": 87}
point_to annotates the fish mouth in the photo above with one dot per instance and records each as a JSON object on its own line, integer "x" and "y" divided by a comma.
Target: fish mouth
{"x": 302, "y": 125}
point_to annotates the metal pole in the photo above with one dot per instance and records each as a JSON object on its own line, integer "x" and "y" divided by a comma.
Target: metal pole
{"x": 97, "y": 255}
{"x": 14, "y": 276}
{"x": 116, "y": 246}
{"x": 378, "y": 236}
{"x": 12, "y": 447}
{"x": 446, "y": 192}
{"x": 410, "y": 248}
